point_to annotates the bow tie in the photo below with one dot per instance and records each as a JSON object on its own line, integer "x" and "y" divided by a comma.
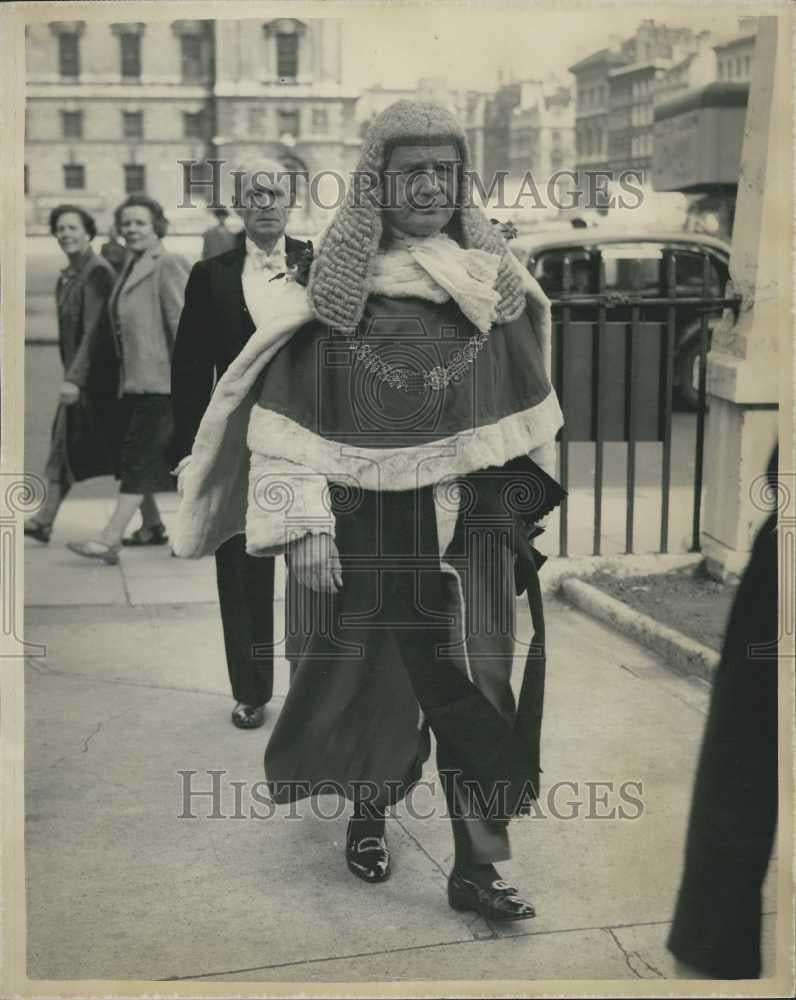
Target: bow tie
{"x": 264, "y": 261}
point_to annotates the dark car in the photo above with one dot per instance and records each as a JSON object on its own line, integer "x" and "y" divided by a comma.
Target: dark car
{"x": 634, "y": 265}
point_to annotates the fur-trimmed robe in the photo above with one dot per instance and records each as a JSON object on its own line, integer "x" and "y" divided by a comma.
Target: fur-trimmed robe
{"x": 215, "y": 484}
{"x": 433, "y": 629}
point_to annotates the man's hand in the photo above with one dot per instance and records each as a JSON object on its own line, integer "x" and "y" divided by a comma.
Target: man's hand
{"x": 315, "y": 562}
{"x": 69, "y": 393}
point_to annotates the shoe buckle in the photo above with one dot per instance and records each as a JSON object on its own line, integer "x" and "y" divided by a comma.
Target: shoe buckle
{"x": 374, "y": 844}
{"x": 503, "y": 886}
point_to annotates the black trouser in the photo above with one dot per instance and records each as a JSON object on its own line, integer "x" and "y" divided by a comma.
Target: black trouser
{"x": 246, "y": 597}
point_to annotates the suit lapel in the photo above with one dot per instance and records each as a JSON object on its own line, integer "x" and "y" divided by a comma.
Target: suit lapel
{"x": 292, "y": 245}
{"x": 141, "y": 268}
{"x": 233, "y": 303}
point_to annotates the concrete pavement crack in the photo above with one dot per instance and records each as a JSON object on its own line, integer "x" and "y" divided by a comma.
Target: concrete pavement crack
{"x": 629, "y": 955}
{"x": 84, "y": 749}
{"x": 325, "y": 958}
{"x": 91, "y": 736}
{"x": 422, "y": 947}
{"x": 441, "y": 870}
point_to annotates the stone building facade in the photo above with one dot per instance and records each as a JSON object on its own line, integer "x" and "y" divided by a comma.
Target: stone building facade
{"x": 615, "y": 96}
{"x": 279, "y": 93}
{"x": 112, "y": 108}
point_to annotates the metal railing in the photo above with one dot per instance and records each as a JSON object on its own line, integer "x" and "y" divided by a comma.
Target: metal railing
{"x": 604, "y": 305}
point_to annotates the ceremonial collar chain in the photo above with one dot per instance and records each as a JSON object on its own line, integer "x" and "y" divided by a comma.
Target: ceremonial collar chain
{"x": 414, "y": 382}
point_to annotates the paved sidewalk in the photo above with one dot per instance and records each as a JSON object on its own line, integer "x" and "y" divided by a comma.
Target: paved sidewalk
{"x": 55, "y": 576}
{"x": 133, "y": 690}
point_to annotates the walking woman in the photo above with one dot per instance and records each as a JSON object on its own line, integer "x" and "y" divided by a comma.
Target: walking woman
{"x": 81, "y": 444}
{"x": 145, "y": 308}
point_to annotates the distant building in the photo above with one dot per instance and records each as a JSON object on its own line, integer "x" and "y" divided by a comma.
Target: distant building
{"x": 112, "y": 108}
{"x": 474, "y": 125}
{"x": 542, "y": 132}
{"x": 375, "y": 99}
{"x": 592, "y": 108}
{"x": 498, "y": 111}
{"x": 428, "y": 88}
{"x": 734, "y": 59}
{"x": 699, "y": 133}
{"x": 696, "y": 68}
{"x": 615, "y": 96}
{"x": 278, "y": 93}
{"x": 630, "y": 121}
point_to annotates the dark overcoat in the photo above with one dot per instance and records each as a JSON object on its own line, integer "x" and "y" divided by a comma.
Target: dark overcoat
{"x": 82, "y": 433}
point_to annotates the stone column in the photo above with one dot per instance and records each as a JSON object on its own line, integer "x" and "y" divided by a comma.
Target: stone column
{"x": 745, "y": 376}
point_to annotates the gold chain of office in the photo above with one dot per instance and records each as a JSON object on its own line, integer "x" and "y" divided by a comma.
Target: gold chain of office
{"x": 413, "y": 382}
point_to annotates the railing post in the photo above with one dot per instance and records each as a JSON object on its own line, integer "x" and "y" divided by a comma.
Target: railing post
{"x": 745, "y": 378}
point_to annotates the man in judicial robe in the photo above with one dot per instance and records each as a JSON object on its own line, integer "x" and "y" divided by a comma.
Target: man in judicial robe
{"x": 399, "y": 422}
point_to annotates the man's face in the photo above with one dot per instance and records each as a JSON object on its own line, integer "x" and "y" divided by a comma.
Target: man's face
{"x": 420, "y": 188}
{"x": 264, "y": 206}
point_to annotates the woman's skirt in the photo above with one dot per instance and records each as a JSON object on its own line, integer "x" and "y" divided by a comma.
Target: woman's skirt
{"x": 145, "y": 430}
{"x": 82, "y": 440}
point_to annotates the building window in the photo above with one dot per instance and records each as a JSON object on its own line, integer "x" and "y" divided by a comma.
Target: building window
{"x": 130, "y": 49}
{"x": 747, "y": 65}
{"x": 287, "y": 56}
{"x": 192, "y": 125}
{"x": 191, "y": 55}
{"x": 288, "y": 123}
{"x": 320, "y": 121}
{"x": 721, "y": 69}
{"x": 738, "y": 66}
{"x": 72, "y": 124}
{"x": 69, "y": 55}
{"x": 26, "y": 179}
{"x": 134, "y": 178}
{"x": 74, "y": 176}
{"x": 133, "y": 124}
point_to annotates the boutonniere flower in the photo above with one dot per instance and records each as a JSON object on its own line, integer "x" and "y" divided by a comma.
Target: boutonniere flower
{"x": 507, "y": 229}
{"x": 298, "y": 264}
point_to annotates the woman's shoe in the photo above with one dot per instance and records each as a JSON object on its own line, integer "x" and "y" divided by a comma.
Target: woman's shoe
{"x": 95, "y": 549}
{"x": 498, "y": 901}
{"x": 368, "y": 858}
{"x": 41, "y": 532}
{"x": 147, "y": 534}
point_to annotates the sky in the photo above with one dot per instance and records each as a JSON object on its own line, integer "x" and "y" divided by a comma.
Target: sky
{"x": 469, "y": 44}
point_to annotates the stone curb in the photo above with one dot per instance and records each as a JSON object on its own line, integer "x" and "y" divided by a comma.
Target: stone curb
{"x": 686, "y": 656}
{"x": 557, "y": 569}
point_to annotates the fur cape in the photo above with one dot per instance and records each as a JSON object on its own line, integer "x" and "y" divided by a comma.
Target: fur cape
{"x": 215, "y": 484}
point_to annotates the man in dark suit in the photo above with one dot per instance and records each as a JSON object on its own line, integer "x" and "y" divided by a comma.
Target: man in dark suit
{"x": 223, "y": 294}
